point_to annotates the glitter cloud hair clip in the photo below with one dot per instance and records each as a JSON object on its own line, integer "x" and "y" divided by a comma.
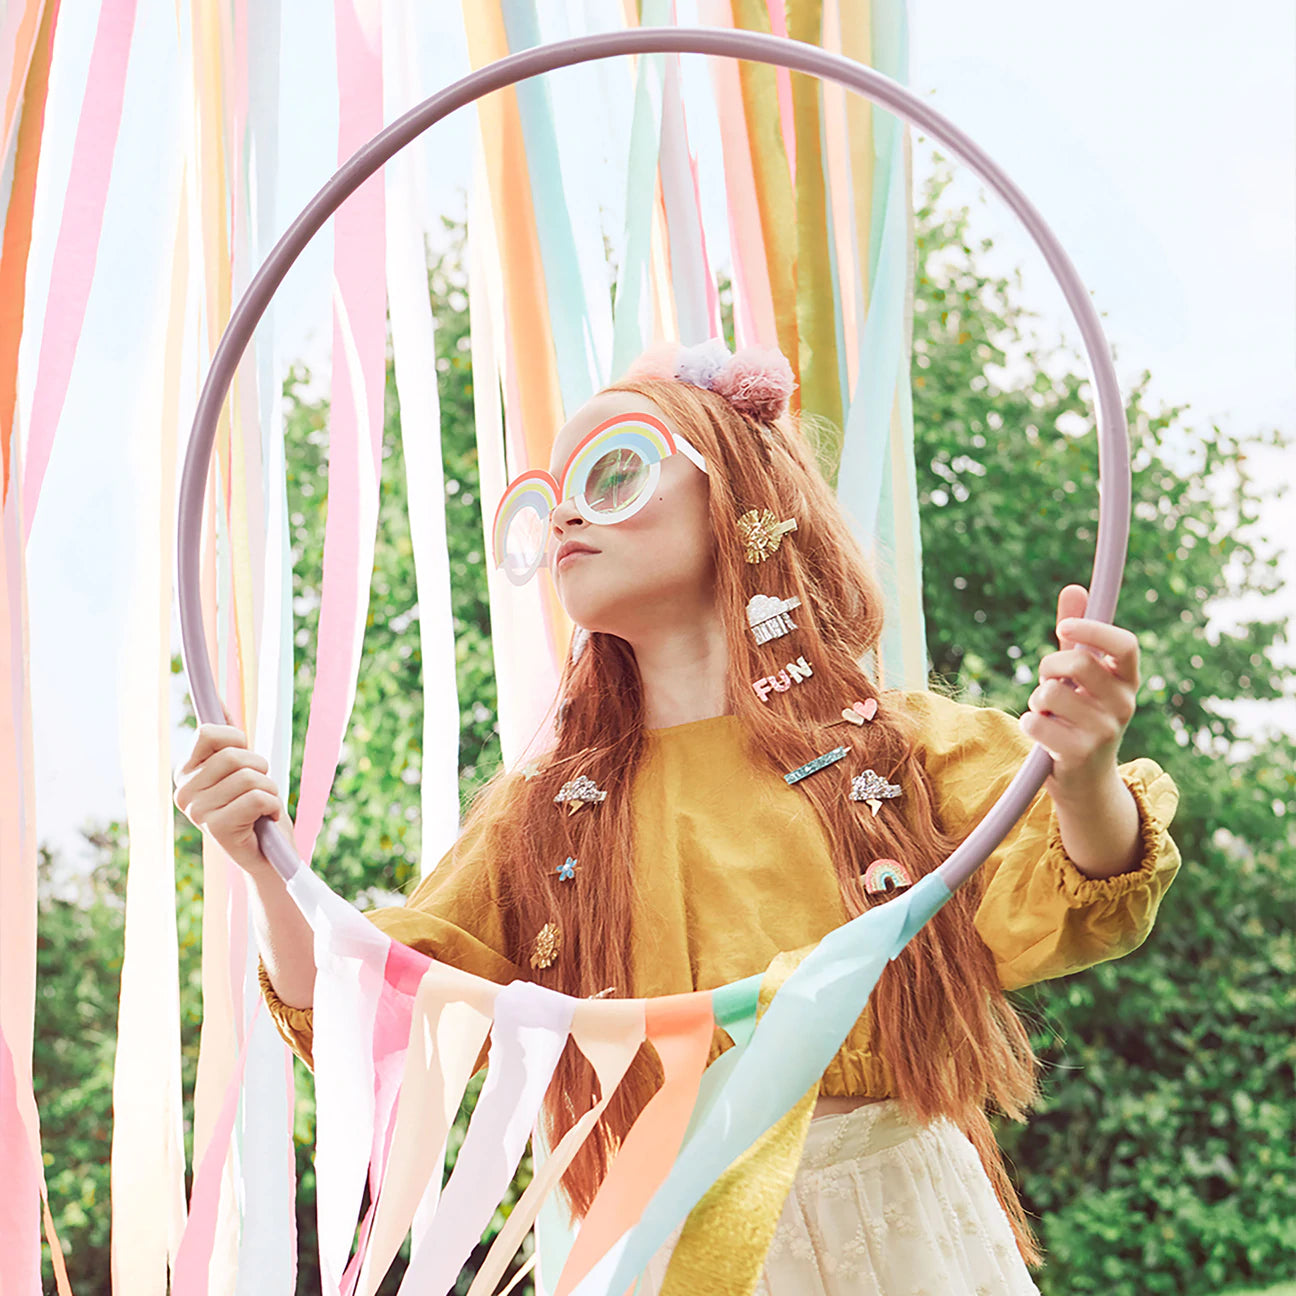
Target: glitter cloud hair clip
{"x": 757, "y": 381}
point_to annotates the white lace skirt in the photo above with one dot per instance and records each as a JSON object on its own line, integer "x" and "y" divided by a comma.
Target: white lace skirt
{"x": 884, "y": 1207}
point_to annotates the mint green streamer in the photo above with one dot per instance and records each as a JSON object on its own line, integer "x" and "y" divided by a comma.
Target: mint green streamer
{"x": 566, "y": 290}
{"x": 866, "y": 485}
{"x": 799, "y": 1034}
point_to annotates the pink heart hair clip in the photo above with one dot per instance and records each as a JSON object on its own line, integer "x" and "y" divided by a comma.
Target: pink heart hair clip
{"x": 857, "y": 713}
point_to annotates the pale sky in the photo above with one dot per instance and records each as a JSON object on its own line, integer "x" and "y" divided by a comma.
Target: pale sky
{"x": 1158, "y": 139}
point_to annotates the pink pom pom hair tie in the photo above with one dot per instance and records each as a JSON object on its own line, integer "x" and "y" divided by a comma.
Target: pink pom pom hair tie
{"x": 757, "y": 381}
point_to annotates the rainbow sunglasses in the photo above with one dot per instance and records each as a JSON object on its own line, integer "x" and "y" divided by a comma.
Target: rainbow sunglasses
{"x": 610, "y": 475}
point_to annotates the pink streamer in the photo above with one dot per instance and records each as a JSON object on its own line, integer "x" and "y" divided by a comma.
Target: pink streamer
{"x": 20, "y": 1201}
{"x": 77, "y": 248}
{"x": 392, "y": 1019}
{"x": 359, "y": 377}
{"x": 753, "y": 301}
{"x": 190, "y": 1272}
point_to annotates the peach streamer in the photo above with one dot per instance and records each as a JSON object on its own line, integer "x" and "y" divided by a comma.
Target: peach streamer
{"x": 527, "y": 680}
{"x": 680, "y": 1027}
{"x": 528, "y": 365}
{"x": 20, "y": 26}
{"x": 20, "y": 202}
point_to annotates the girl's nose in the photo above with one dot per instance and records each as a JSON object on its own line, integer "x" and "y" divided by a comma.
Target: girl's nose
{"x": 565, "y": 515}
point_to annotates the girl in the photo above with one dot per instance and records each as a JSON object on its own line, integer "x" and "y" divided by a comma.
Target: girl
{"x": 659, "y": 847}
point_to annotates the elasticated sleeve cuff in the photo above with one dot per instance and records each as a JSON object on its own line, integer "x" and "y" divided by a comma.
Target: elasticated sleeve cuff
{"x": 1082, "y": 891}
{"x": 296, "y": 1025}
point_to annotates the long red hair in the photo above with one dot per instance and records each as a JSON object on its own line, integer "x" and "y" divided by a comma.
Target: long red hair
{"x": 940, "y": 1019}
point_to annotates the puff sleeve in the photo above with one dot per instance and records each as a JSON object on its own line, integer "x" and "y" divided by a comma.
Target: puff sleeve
{"x": 455, "y": 915}
{"x": 1040, "y": 916}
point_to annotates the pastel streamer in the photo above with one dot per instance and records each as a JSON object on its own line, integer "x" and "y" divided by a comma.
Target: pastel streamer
{"x": 768, "y": 142}
{"x": 20, "y": 1146}
{"x": 266, "y": 1260}
{"x": 413, "y": 342}
{"x": 226, "y": 593}
{"x": 539, "y": 403}
{"x": 524, "y": 351}
{"x": 530, "y": 1031}
{"x": 867, "y": 466}
{"x": 609, "y": 1042}
{"x": 753, "y": 304}
{"x": 734, "y": 1009}
{"x": 148, "y": 1151}
{"x": 525, "y": 680}
{"x": 632, "y": 321}
{"x": 355, "y": 419}
{"x": 450, "y": 1019}
{"x": 390, "y": 1046}
{"x": 350, "y": 957}
{"x": 190, "y": 1273}
{"x": 16, "y": 207}
{"x": 797, "y": 1038}
{"x": 680, "y": 1028}
{"x": 20, "y": 25}
{"x": 691, "y": 278}
{"x": 570, "y": 297}
{"x": 584, "y": 185}
{"x": 20, "y": 1204}
{"x": 757, "y": 1183}
{"x": 815, "y": 298}
{"x": 77, "y": 247}
{"x": 253, "y": 1248}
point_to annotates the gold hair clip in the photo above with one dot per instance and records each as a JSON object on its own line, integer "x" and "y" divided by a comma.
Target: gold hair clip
{"x": 548, "y": 944}
{"x": 762, "y": 533}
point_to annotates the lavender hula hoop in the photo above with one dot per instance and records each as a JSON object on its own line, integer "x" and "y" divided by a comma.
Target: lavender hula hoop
{"x": 1113, "y": 439}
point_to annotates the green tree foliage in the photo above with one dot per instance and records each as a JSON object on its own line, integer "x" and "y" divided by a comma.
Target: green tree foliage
{"x": 1161, "y": 1158}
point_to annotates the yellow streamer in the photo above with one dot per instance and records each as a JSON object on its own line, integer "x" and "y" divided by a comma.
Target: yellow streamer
{"x": 815, "y": 301}
{"x": 728, "y": 1233}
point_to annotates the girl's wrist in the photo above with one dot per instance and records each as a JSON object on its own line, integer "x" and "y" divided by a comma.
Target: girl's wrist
{"x": 1080, "y": 792}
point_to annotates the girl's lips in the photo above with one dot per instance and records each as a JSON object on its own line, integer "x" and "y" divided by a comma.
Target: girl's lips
{"x": 564, "y": 558}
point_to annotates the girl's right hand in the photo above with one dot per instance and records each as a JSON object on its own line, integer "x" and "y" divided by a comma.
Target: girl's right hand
{"x": 225, "y": 788}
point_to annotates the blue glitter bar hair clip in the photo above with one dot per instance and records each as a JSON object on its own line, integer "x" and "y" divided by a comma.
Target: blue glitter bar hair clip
{"x": 819, "y": 762}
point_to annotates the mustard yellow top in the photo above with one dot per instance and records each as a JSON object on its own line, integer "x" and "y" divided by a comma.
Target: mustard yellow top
{"x": 736, "y": 869}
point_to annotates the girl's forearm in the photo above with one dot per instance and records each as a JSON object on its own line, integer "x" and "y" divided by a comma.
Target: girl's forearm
{"x": 1099, "y": 826}
{"x": 285, "y": 939}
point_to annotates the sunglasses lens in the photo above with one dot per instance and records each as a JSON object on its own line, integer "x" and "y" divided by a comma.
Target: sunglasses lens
{"x": 615, "y": 481}
{"x": 524, "y": 543}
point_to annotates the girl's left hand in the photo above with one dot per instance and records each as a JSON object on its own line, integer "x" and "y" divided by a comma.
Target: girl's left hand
{"x": 1082, "y": 726}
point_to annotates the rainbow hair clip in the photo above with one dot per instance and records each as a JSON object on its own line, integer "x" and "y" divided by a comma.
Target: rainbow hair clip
{"x": 886, "y": 875}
